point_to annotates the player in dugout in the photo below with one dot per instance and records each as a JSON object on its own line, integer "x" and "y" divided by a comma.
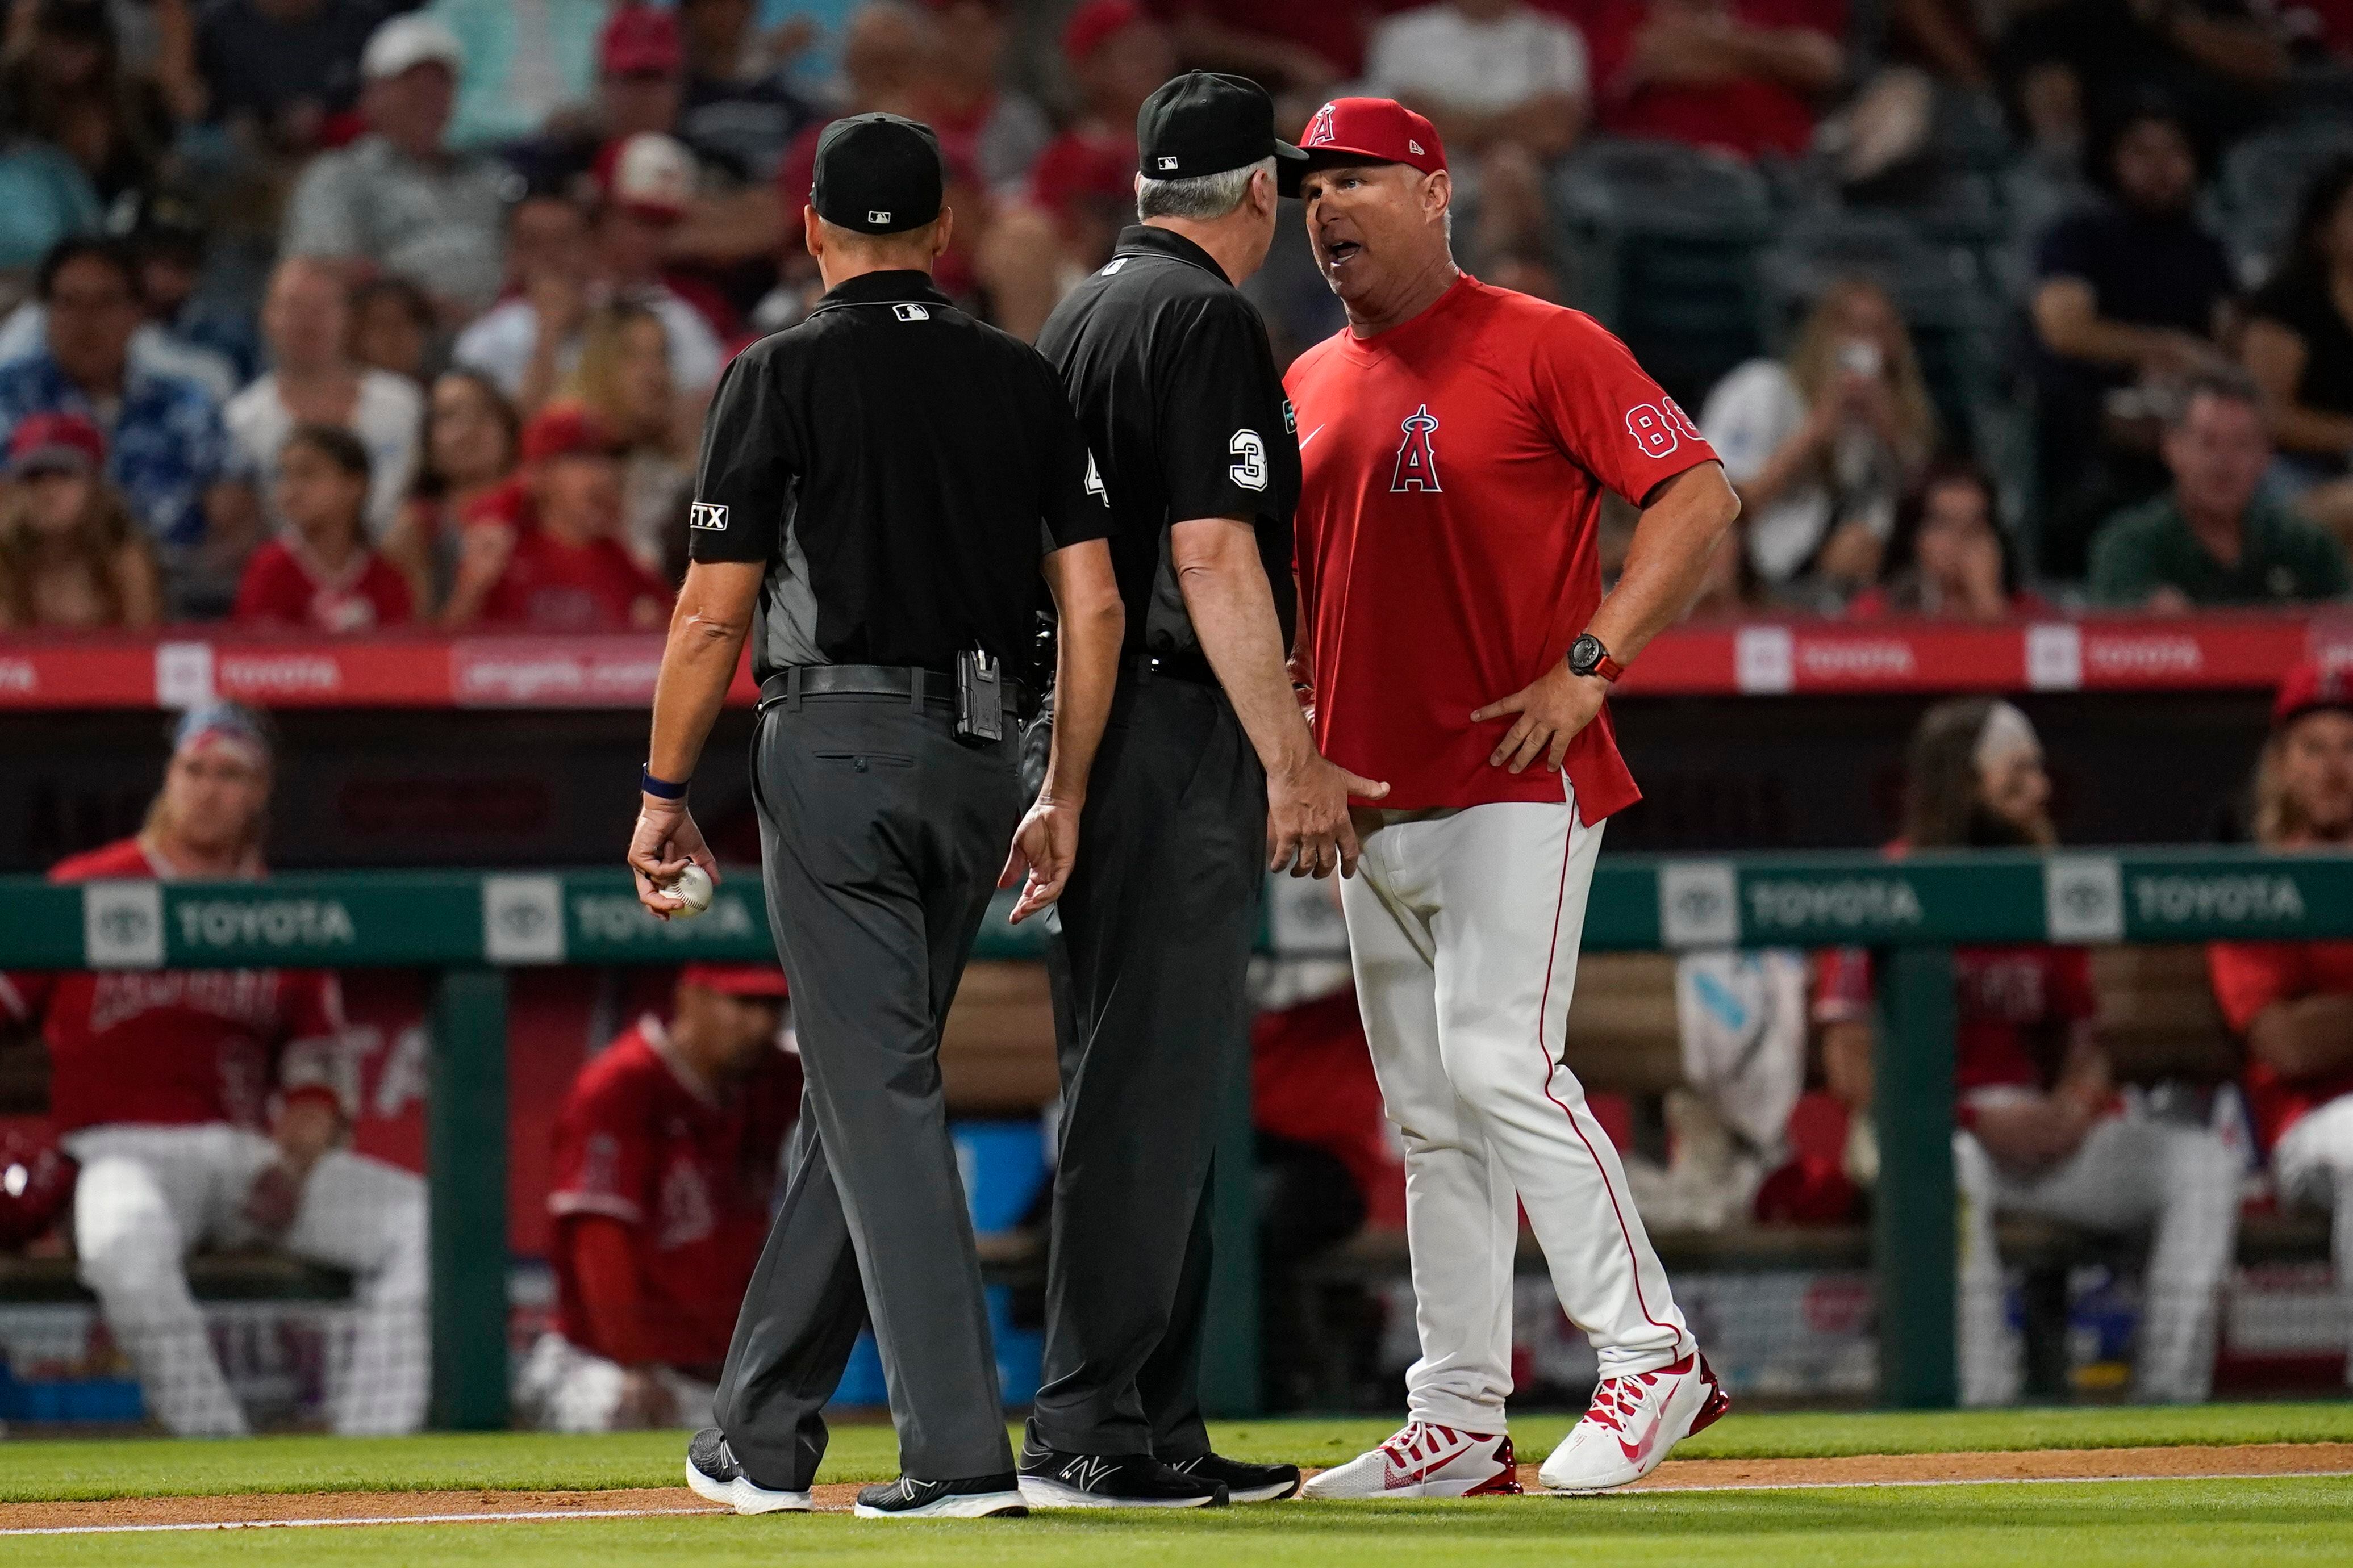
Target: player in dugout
{"x": 2292, "y": 1002}
{"x": 207, "y": 1108}
{"x": 666, "y": 1151}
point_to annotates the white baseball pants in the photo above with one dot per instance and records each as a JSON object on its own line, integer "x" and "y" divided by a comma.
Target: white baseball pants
{"x": 562, "y": 1387}
{"x": 2313, "y": 1164}
{"x": 149, "y": 1195}
{"x": 2129, "y": 1173}
{"x": 1465, "y": 928}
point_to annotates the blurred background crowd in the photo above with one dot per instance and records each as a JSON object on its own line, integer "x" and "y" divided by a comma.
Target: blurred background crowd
{"x": 344, "y": 315}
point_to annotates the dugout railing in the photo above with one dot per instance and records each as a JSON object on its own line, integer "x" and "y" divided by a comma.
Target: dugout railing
{"x": 471, "y": 927}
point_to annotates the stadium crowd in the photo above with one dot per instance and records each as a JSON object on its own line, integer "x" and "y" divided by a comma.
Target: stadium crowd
{"x": 508, "y": 248}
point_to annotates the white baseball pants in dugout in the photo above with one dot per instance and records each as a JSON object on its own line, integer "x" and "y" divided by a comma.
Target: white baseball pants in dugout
{"x": 1465, "y": 928}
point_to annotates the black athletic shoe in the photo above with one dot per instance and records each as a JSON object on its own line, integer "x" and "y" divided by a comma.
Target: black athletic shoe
{"x": 715, "y": 1477}
{"x": 711, "y": 1467}
{"x": 1052, "y": 1479}
{"x": 981, "y": 1497}
{"x": 1243, "y": 1483}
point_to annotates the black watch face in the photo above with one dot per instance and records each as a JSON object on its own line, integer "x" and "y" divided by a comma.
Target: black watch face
{"x": 1584, "y": 653}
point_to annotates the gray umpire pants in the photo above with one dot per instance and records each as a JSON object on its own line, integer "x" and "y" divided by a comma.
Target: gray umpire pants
{"x": 882, "y": 837}
{"x": 1158, "y": 921}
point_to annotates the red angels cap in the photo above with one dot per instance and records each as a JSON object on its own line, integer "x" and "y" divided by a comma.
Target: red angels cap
{"x": 640, "y": 41}
{"x": 1093, "y": 22}
{"x": 1372, "y": 130}
{"x": 2308, "y": 688}
{"x": 52, "y": 443}
{"x": 736, "y": 979}
{"x": 566, "y": 430}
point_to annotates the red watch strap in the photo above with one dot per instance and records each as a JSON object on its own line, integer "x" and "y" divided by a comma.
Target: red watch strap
{"x": 1609, "y": 669}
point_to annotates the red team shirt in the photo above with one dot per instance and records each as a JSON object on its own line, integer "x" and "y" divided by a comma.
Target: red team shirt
{"x": 2249, "y": 976}
{"x": 175, "y": 1046}
{"x": 1447, "y": 534}
{"x": 553, "y": 585}
{"x": 283, "y": 585}
{"x": 2016, "y": 1008}
{"x": 690, "y": 1173}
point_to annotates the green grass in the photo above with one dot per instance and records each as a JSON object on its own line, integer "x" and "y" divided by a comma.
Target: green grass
{"x": 524, "y": 1460}
{"x": 2061, "y": 1526}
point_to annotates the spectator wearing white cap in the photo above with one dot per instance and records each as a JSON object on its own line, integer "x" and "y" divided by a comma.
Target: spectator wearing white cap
{"x": 398, "y": 196}
{"x": 530, "y": 342}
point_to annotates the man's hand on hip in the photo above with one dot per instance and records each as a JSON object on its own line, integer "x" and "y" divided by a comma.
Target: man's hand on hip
{"x": 666, "y": 842}
{"x": 1307, "y": 828}
{"x": 1552, "y": 709}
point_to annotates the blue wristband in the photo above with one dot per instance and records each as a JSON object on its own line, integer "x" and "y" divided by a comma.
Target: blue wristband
{"x": 660, "y": 789}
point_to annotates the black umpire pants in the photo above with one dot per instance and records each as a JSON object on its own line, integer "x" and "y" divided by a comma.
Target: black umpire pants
{"x": 882, "y": 837}
{"x": 1157, "y": 922}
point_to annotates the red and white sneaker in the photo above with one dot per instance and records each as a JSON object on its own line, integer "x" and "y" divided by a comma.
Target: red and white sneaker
{"x": 1631, "y": 1423}
{"x": 1425, "y": 1460}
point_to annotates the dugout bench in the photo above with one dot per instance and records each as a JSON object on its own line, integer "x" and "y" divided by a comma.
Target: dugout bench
{"x": 472, "y": 925}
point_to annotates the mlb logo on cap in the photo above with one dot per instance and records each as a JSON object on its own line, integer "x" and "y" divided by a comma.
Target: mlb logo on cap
{"x": 1167, "y": 164}
{"x": 875, "y": 214}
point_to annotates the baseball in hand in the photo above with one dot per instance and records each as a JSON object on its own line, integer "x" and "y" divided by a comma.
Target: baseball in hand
{"x": 692, "y": 889}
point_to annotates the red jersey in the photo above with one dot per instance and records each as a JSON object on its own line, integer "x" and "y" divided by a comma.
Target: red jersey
{"x": 1748, "y": 115}
{"x": 285, "y": 585}
{"x": 1451, "y": 478}
{"x": 177, "y": 1047}
{"x": 2017, "y": 1009}
{"x": 553, "y": 585}
{"x": 689, "y": 1172}
{"x": 1312, "y": 1081}
{"x": 2249, "y": 976}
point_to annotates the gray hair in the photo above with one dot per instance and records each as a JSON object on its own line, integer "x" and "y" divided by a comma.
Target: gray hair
{"x": 1203, "y": 197}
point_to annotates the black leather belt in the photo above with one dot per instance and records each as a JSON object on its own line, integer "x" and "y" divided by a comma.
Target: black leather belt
{"x": 917, "y": 687}
{"x": 1192, "y": 667}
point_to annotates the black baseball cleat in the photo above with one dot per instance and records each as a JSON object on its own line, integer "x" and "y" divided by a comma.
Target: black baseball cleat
{"x": 1243, "y": 1483}
{"x": 715, "y": 1476}
{"x": 1052, "y": 1479}
{"x": 981, "y": 1497}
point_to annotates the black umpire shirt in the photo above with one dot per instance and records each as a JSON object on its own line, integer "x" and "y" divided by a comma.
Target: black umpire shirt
{"x": 891, "y": 460}
{"x": 1168, "y": 366}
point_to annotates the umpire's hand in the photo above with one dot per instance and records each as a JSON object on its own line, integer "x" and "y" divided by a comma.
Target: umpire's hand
{"x": 1045, "y": 847}
{"x": 666, "y": 842}
{"x": 1308, "y": 832}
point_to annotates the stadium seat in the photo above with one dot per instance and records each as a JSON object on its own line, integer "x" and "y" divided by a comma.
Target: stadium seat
{"x": 1661, "y": 241}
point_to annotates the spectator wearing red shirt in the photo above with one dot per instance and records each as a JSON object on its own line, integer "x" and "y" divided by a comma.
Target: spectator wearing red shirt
{"x": 544, "y": 550}
{"x": 1082, "y": 190}
{"x": 1296, "y": 49}
{"x": 995, "y": 133}
{"x": 666, "y": 1155}
{"x": 1746, "y": 77}
{"x": 205, "y": 1107}
{"x": 2293, "y": 1001}
{"x": 2043, "y": 1130}
{"x": 320, "y": 574}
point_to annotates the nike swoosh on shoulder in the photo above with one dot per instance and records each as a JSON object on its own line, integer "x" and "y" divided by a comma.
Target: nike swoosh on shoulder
{"x": 1310, "y": 436}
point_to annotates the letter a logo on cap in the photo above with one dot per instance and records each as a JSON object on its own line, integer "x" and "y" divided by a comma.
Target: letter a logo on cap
{"x": 1319, "y": 130}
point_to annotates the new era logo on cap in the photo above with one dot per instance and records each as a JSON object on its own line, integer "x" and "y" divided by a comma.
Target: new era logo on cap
{"x": 706, "y": 514}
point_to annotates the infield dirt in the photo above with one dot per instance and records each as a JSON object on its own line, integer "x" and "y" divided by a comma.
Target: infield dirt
{"x": 1675, "y": 1475}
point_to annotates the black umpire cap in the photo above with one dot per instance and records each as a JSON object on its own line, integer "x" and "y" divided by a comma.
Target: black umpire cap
{"x": 878, "y": 174}
{"x": 1204, "y": 122}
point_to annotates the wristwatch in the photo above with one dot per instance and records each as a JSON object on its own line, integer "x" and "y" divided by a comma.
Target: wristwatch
{"x": 1587, "y": 656}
